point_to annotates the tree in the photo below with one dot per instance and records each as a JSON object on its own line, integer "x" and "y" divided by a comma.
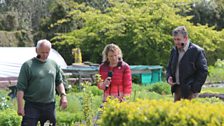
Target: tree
{"x": 210, "y": 12}
{"x": 141, "y": 28}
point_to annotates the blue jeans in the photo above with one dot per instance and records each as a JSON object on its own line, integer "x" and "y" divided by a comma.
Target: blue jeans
{"x": 42, "y": 112}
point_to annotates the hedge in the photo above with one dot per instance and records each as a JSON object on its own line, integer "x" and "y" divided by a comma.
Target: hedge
{"x": 162, "y": 113}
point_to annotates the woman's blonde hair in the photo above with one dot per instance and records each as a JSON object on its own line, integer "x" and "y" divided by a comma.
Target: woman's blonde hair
{"x": 111, "y": 47}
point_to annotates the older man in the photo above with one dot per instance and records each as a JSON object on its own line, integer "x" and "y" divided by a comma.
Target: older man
{"x": 187, "y": 68}
{"x": 36, "y": 85}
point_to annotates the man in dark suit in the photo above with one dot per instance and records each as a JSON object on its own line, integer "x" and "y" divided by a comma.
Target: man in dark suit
{"x": 187, "y": 68}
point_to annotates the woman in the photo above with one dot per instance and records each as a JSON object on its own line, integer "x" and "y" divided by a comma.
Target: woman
{"x": 115, "y": 74}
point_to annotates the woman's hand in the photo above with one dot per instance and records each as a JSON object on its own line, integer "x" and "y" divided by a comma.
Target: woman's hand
{"x": 107, "y": 82}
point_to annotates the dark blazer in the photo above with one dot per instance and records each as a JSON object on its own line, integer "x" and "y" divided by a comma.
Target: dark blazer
{"x": 193, "y": 69}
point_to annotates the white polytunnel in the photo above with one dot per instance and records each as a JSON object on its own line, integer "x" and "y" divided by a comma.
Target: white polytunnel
{"x": 12, "y": 58}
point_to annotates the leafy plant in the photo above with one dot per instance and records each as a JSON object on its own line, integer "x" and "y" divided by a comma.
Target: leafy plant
{"x": 216, "y": 72}
{"x": 4, "y": 101}
{"x": 87, "y": 104}
{"x": 160, "y": 88}
{"x": 95, "y": 91}
{"x": 68, "y": 118}
{"x": 9, "y": 117}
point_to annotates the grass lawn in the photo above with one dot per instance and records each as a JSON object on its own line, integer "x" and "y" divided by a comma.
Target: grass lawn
{"x": 213, "y": 90}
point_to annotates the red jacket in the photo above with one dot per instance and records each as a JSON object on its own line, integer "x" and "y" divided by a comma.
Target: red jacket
{"x": 121, "y": 82}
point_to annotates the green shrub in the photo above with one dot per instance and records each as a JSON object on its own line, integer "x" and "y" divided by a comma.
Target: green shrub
{"x": 146, "y": 95}
{"x": 68, "y": 119}
{"x": 74, "y": 102}
{"x": 5, "y": 100}
{"x": 162, "y": 113}
{"x": 85, "y": 103}
{"x": 137, "y": 87}
{"x": 75, "y": 88}
{"x": 160, "y": 88}
{"x": 4, "y": 103}
{"x": 95, "y": 91}
{"x": 9, "y": 117}
{"x": 216, "y": 72}
{"x": 152, "y": 91}
{"x": 88, "y": 107}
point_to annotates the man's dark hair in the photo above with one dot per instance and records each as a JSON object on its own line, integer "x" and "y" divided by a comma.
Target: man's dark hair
{"x": 180, "y": 30}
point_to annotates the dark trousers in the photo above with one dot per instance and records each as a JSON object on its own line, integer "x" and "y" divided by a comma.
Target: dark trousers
{"x": 178, "y": 96}
{"x": 42, "y": 112}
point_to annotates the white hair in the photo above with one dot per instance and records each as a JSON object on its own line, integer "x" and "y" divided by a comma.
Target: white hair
{"x": 43, "y": 41}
